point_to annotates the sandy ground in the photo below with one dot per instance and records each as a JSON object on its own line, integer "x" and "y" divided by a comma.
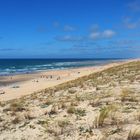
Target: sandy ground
{"x": 20, "y": 85}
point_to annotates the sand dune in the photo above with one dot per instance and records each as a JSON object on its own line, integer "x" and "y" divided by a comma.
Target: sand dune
{"x": 101, "y": 106}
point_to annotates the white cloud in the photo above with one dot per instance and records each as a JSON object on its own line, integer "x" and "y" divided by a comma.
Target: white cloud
{"x": 69, "y": 28}
{"x": 100, "y": 35}
{"x": 130, "y": 24}
{"x": 108, "y": 34}
{"x": 69, "y": 38}
{"x": 95, "y": 35}
{"x": 134, "y": 5}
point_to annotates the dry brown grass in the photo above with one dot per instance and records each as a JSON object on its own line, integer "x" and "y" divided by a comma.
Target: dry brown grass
{"x": 71, "y": 110}
{"x": 128, "y": 95}
{"x": 134, "y": 134}
{"x": 138, "y": 115}
{"x": 16, "y": 120}
{"x": 17, "y": 106}
{"x": 103, "y": 114}
{"x": 124, "y": 95}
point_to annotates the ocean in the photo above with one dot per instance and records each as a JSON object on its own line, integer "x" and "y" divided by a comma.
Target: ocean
{"x": 18, "y": 66}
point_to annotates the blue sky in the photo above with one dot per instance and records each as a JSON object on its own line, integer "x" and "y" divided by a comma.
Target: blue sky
{"x": 69, "y": 28}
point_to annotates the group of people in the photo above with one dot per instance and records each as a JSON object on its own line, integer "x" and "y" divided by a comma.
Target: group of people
{"x": 49, "y": 77}
{"x": 46, "y": 76}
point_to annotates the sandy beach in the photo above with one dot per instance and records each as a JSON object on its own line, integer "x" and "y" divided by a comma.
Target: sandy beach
{"x": 19, "y": 85}
{"x": 101, "y": 103}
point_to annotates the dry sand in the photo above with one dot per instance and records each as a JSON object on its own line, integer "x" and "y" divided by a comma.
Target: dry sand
{"x": 24, "y": 84}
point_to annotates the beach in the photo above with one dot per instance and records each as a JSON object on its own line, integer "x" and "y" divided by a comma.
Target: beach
{"x": 24, "y": 84}
{"x": 93, "y": 103}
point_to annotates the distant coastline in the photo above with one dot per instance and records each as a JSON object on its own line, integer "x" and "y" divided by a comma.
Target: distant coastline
{"x": 25, "y": 66}
{"x": 26, "y": 84}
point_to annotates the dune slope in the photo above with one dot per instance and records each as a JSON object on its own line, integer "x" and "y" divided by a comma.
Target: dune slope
{"x": 101, "y": 106}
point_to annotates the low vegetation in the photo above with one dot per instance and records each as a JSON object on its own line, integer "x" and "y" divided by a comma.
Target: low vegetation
{"x": 134, "y": 134}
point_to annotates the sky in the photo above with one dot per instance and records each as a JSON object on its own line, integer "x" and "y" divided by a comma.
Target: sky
{"x": 69, "y": 28}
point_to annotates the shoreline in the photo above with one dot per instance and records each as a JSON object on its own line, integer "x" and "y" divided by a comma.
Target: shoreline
{"x": 4, "y": 78}
{"x": 25, "y": 84}
{"x": 64, "y": 68}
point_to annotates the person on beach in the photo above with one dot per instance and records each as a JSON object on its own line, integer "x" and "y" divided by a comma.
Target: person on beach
{"x": 58, "y": 78}
{"x": 2, "y": 92}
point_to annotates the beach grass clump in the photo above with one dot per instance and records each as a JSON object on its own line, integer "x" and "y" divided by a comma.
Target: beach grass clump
{"x": 126, "y": 95}
{"x": 84, "y": 97}
{"x": 74, "y": 103}
{"x": 134, "y": 134}
{"x": 43, "y": 123}
{"x": 63, "y": 123}
{"x": 64, "y": 126}
{"x": 62, "y": 105}
{"x": 71, "y": 110}
{"x": 52, "y": 131}
{"x": 72, "y": 91}
{"x": 57, "y": 127}
{"x": 16, "y": 120}
{"x": 95, "y": 103}
{"x": 2, "y": 104}
{"x": 48, "y": 102}
{"x": 116, "y": 118}
{"x": 54, "y": 110}
{"x": 137, "y": 116}
{"x": 29, "y": 116}
{"x": 103, "y": 114}
{"x": 16, "y": 107}
{"x": 80, "y": 112}
{"x": 78, "y": 98}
